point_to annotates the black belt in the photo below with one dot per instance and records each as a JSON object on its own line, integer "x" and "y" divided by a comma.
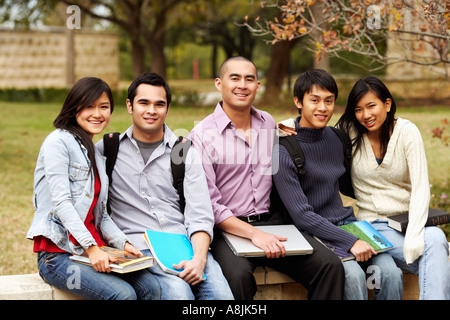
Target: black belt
{"x": 256, "y": 217}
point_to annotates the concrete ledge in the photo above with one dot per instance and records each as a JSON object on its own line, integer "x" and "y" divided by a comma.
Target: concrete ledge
{"x": 30, "y": 287}
{"x": 272, "y": 285}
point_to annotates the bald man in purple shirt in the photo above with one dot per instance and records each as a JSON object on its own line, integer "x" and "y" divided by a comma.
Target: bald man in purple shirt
{"x": 235, "y": 143}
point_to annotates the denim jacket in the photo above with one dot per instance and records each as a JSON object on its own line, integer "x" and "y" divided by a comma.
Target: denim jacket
{"x": 63, "y": 194}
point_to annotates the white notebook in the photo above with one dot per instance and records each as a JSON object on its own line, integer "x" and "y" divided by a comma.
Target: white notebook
{"x": 295, "y": 244}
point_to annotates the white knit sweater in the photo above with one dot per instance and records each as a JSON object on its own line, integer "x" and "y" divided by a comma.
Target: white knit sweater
{"x": 399, "y": 185}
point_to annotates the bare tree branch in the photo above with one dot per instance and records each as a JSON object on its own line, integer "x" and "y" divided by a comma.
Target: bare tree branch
{"x": 419, "y": 28}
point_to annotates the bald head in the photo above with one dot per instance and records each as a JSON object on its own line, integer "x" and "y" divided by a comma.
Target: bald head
{"x": 223, "y": 67}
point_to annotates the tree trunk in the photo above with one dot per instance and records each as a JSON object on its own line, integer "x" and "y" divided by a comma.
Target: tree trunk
{"x": 137, "y": 56}
{"x": 324, "y": 62}
{"x": 156, "y": 41}
{"x": 214, "y": 71}
{"x": 279, "y": 63}
{"x": 158, "y": 62}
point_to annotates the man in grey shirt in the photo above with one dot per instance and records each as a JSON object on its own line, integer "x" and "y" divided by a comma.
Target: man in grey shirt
{"x": 142, "y": 195}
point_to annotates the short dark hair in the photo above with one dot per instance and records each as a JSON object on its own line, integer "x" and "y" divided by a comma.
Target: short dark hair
{"x": 318, "y": 77}
{"x": 235, "y": 58}
{"x": 152, "y": 79}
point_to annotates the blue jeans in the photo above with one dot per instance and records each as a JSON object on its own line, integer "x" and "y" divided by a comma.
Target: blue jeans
{"x": 215, "y": 287}
{"x": 82, "y": 280}
{"x": 379, "y": 273}
{"x": 433, "y": 266}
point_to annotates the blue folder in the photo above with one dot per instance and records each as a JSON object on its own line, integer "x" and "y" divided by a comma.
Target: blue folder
{"x": 169, "y": 249}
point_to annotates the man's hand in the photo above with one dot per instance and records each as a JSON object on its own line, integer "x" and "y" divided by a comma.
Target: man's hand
{"x": 286, "y": 128}
{"x": 193, "y": 270}
{"x": 99, "y": 259}
{"x": 131, "y": 249}
{"x": 270, "y": 243}
{"x": 362, "y": 250}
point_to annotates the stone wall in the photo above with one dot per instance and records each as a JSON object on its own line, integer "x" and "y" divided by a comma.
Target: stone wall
{"x": 57, "y": 58}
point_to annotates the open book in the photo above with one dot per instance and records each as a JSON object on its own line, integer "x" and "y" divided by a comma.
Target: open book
{"x": 126, "y": 262}
{"x": 365, "y": 232}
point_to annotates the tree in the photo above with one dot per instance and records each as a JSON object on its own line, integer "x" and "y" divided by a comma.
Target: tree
{"x": 280, "y": 59}
{"x": 278, "y": 69}
{"x": 420, "y": 30}
{"x": 26, "y": 14}
{"x": 144, "y": 21}
{"x": 217, "y": 23}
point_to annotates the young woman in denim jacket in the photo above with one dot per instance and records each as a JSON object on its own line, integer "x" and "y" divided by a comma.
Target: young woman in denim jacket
{"x": 70, "y": 194}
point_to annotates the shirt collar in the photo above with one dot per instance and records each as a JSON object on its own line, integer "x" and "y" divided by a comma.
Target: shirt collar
{"x": 308, "y": 134}
{"x": 223, "y": 121}
{"x": 168, "y": 140}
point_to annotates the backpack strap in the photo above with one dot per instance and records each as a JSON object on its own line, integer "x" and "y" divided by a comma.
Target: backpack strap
{"x": 110, "y": 150}
{"x": 345, "y": 181}
{"x": 295, "y": 151}
{"x": 347, "y": 144}
{"x": 177, "y": 164}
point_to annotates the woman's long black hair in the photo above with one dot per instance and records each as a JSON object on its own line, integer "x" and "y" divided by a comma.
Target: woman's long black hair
{"x": 85, "y": 92}
{"x": 348, "y": 119}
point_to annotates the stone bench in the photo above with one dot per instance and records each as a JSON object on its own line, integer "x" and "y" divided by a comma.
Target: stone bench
{"x": 272, "y": 285}
{"x": 30, "y": 287}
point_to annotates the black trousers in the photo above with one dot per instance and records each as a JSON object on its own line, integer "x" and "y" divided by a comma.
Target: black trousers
{"x": 321, "y": 272}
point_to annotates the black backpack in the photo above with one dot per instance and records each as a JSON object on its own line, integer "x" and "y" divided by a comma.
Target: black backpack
{"x": 177, "y": 163}
{"x": 295, "y": 151}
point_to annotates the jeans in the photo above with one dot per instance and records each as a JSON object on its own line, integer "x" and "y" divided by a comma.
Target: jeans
{"x": 82, "y": 280}
{"x": 215, "y": 287}
{"x": 379, "y": 273}
{"x": 321, "y": 273}
{"x": 433, "y": 266}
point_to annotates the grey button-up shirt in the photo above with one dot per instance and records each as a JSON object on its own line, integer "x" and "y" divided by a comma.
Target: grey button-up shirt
{"x": 142, "y": 195}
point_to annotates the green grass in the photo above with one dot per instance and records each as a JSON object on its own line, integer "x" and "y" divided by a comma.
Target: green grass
{"x": 23, "y": 127}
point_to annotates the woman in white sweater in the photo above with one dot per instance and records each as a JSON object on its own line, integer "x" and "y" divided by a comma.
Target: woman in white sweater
{"x": 390, "y": 176}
